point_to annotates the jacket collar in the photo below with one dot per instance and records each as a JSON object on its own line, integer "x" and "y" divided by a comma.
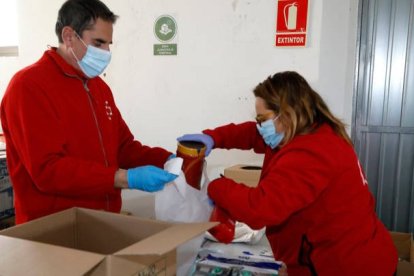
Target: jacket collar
{"x": 65, "y": 67}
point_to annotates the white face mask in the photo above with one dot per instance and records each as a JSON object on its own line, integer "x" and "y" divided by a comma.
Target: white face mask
{"x": 94, "y": 61}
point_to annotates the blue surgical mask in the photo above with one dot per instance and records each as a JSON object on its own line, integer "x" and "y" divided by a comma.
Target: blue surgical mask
{"x": 269, "y": 133}
{"x": 94, "y": 61}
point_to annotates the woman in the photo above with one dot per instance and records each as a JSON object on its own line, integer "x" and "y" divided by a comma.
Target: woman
{"x": 312, "y": 196}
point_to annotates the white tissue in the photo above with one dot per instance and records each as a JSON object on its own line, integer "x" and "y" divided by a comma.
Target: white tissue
{"x": 174, "y": 165}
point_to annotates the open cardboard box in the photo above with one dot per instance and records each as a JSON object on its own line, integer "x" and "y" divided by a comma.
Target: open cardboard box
{"x": 405, "y": 248}
{"x": 81, "y": 241}
{"x": 246, "y": 174}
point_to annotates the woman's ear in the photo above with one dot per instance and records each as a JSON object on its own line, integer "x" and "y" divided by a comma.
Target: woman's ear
{"x": 67, "y": 36}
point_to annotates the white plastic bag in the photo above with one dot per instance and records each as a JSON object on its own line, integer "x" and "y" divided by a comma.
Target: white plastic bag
{"x": 180, "y": 202}
{"x": 243, "y": 234}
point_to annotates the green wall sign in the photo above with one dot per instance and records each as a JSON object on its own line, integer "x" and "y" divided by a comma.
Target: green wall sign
{"x": 165, "y": 30}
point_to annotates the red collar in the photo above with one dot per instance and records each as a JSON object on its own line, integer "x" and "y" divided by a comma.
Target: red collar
{"x": 66, "y": 68}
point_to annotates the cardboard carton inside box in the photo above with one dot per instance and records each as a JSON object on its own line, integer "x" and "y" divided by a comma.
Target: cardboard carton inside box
{"x": 81, "y": 241}
{"x": 246, "y": 174}
{"x": 405, "y": 248}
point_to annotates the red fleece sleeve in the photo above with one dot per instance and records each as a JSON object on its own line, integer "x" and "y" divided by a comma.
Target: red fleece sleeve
{"x": 290, "y": 184}
{"x": 242, "y": 136}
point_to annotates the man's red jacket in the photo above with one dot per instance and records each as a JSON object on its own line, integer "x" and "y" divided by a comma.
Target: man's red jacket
{"x": 313, "y": 199}
{"x": 65, "y": 138}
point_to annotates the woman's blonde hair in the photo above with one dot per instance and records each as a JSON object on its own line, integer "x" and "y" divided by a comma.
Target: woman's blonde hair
{"x": 301, "y": 109}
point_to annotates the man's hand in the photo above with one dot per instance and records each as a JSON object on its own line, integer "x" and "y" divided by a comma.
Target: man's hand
{"x": 148, "y": 178}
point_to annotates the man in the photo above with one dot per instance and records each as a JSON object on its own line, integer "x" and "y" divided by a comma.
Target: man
{"x": 67, "y": 144}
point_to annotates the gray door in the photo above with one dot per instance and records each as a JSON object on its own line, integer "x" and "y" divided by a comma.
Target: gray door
{"x": 383, "y": 117}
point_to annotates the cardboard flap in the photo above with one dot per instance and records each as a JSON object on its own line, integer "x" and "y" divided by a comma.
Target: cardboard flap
{"x": 402, "y": 242}
{"x": 405, "y": 269}
{"x": 248, "y": 175}
{"x": 47, "y": 229}
{"x": 34, "y": 258}
{"x": 136, "y": 265}
{"x": 114, "y": 265}
{"x": 167, "y": 240}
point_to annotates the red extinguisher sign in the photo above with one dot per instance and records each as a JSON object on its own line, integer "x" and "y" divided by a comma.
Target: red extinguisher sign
{"x": 291, "y": 22}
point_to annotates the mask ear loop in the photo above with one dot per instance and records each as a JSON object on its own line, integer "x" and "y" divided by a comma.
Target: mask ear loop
{"x": 71, "y": 49}
{"x": 83, "y": 42}
{"x": 73, "y": 53}
{"x": 274, "y": 122}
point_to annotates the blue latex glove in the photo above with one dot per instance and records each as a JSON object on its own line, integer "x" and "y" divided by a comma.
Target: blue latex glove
{"x": 207, "y": 140}
{"x": 148, "y": 178}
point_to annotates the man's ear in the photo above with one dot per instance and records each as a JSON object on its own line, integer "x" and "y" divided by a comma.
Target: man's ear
{"x": 67, "y": 36}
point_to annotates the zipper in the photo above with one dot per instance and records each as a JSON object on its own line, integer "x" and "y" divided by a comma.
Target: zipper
{"x": 90, "y": 99}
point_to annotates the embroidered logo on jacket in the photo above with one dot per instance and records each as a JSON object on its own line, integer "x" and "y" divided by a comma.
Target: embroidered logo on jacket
{"x": 108, "y": 110}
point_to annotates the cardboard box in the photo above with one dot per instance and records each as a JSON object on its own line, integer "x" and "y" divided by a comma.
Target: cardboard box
{"x": 88, "y": 242}
{"x": 246, "y": 174}
{"x": 405, "y": 247}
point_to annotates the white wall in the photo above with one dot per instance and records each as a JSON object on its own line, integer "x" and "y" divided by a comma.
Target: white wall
{"x": 224, "y": 49}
